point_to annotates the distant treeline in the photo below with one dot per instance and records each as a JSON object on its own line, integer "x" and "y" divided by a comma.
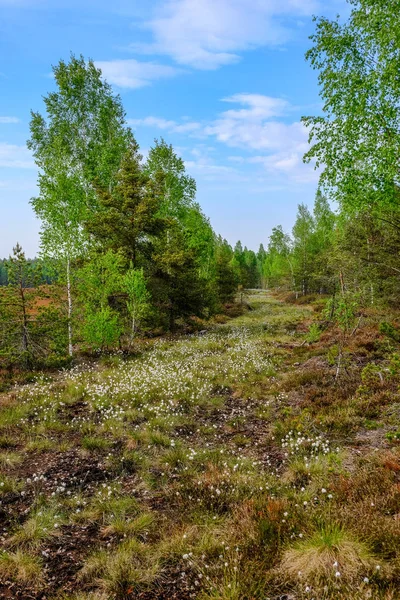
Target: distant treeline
{"x": 246, "y": 265}
{"x": 33, "y": 265}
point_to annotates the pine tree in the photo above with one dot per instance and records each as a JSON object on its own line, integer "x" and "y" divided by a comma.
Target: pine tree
{"x": 226, "y": 279}
{"x": 323, "y": 239}
{"x": 179, "y": 189}
{"x": 261, "y": 258}
{"x": 238, "y": 264}
{"x": 3, "y": 273}
{"x": 176, "y": 284}
{"x": 17, "y": 302}
{"x": 127, "y": 219}
{"x": 178, "y": 203}
{"x": 251, "y": 269}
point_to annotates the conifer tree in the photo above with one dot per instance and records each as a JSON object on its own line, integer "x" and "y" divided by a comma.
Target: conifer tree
{"x": 128, "y": 217}
{"x": 226, "y": 279}
{"x": 178, "y": 203}
{"x": 177, "y": 285}
{"x": 238, "y": 264}
{"x": 251, "y": 269}
{"x": 261, "y": 258}
{"x": 323, "y": 239}
{"x": 17, "y": 302}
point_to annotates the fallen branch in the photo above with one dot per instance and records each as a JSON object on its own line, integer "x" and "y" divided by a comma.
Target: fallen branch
{"x": 356, "y": 327}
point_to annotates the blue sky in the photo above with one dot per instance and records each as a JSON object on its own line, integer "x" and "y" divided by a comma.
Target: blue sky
{"x": 224, "y": 81}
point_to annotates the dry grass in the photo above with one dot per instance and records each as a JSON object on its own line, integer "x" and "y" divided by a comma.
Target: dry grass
{"x": 122, "y": 573}
{"x": 20, "y": 567}
{"x": 327, "y": 554}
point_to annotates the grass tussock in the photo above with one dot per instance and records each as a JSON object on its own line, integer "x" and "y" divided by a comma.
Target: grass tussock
{"x": 20, "y": 567}
{"x": 124, "y": 572}
{"x": 43, "y": 525}
{"x": 328, "y": 554}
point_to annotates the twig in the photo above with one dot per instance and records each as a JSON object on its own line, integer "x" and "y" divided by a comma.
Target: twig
{"x": 356, "y": 327}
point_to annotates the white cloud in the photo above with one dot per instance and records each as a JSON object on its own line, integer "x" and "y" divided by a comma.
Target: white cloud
{"x": 206, "y": 34}
{"x": 13, "y": 156}
{"x": 131, "y": 73}
{"x": 258, "y": 128}
{"x": 289, "y": 165}
{"x": 188, "y": 127}
{"x": 166, "y": 125}
{"x": 255, "y": 126}
{"x": 206, "y": 166}
{"x": 9, "y": 120}
{"x": 258, "y": 106}
{"x": 234, "y": 126}
{"x": 201, "y": 162}
{"x": 156, "y": 122}
{"x": 253, "y": 135}
{"x": 237, "y": 159}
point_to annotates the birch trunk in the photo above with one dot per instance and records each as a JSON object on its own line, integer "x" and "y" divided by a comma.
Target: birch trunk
{"x": 69, "y": 298}
{"x": 133, "y": 329}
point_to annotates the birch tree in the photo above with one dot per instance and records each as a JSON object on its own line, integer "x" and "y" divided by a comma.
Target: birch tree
{"x": 138, "y": 297}
{"x": 356, "y": 141}
{"x": 80, "y": 143}
{"x": 303, "y": 246}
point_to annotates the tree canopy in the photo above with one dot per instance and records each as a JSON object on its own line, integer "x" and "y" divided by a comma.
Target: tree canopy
{"x": 356, "y": 142}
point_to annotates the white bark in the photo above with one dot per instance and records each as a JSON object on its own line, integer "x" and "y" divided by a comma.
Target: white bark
{"x": 133, "y": 327}
{"x": 70, "y": 347}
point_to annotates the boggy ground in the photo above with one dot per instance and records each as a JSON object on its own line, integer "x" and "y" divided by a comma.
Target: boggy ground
{"x": 230, "y": 465}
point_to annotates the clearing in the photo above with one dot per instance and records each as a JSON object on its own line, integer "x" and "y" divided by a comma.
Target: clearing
{"x": 226, "y": 465}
